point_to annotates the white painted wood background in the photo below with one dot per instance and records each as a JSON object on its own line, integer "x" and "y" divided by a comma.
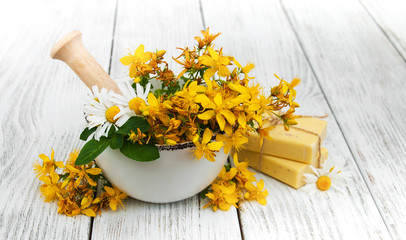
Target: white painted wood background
{"x": 350, "y": 56}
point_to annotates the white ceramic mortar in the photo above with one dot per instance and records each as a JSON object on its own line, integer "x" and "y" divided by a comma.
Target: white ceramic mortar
{"x": 174, "y": 176}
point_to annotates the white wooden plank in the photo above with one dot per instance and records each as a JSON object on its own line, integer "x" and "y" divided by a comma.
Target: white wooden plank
{"x": 180, "y": 220}
{"x": 259, "y": 32}
{"x": 160, "y": 25}
{"x": 362, "y": 76}
{"x": 390, "y": 16}
{"x": 41, "y": 107}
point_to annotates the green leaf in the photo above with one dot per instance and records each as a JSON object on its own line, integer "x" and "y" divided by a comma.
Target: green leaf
{"x": 91, "y": 150}
{"x": 132, "y": 124}
{"x": 64, "y": 176}
{"x": 111, "y": 132}
{"x": 159, "y": 92}
{"x": 142, "y": 153}
{"x": 204, "y": 192}
{"x": 86, "y": 133}
{"x": 228, "y": 167}
{"x": 117, "y": 141}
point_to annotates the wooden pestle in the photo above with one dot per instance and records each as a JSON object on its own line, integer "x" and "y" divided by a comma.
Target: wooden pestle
{"x": 70, "y": 49}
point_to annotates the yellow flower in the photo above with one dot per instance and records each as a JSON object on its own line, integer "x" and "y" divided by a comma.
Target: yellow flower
{"x": 142, "y": 70}
{"x": 160, "y": 53}
{"x": 48, "y": 165}
{"x": 242, "y": 120}
{"x": 68, "y": 205}
{"x": 189, "y": 62}
{"x": 115, "y": 196}
{"x": 173, "y": 124}
{"x": 155, "y": 108}
{"x": 167, "y": 77}
{"x": 205, "y": 148}
{"x": 264, "y": 133}
{"x": 189, "y": 94}
{"x": 72, "y": 156}
{"x": 243, "y": 174}
{"x": 285, "y": 91}
{"x": 260, "y": 105}
{"x": 88, "y": 212}
{"x": 136, "y": 137}
{"x": 100, "y": 202}
{"x": 217, "y": 62}
{"x": 289, "y": 119}
{"x": 220, "y": 110}
{"x": 246, "y": 93}
{"x": 233, "y": 139}
{"x": 233, "y": 186}
{"x": 167, "y": 138}
{"x": 87, "y": 198}
{"x": 227, "y": 176}
{"x": 292, "y": 91}
{"x": 138, "y": 58}
{"x": 51, "y": 190}
{"x": 256, "y": 193}
{"x": 245, "y": 69}
{"x": 207, "y": 38}
{"x": 86, "y": 203}
{"x": 222, "y": 197}
{"x": 80, "y": 172}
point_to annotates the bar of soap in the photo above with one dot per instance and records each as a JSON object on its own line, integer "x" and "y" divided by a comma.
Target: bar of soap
{"x": 297, "y": 145}
{"x": 286, "y": 171}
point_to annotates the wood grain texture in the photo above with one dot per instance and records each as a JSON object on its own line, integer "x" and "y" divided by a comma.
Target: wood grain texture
{"x": 160, "y": 25}
{"x": 391, "y": 18}
{"x": 362, "y": 75}
{"x": 41, "y": 104}
{"x": 359, "y": 70}
{"x": 261, "y": 33}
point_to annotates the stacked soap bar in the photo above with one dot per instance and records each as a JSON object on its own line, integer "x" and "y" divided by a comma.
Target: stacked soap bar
{"x": 300, "y": 143}
{"x": 287, "y": 171}
{"x": 288, "y": 155}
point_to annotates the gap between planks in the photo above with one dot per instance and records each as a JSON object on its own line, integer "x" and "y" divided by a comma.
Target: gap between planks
{"x": 109, "y": 70}
{"x": 332, "y": 111}
{"x": 228, "y": 159}
{"x": 394, "y": 44}
{"x": 202, "y": 14}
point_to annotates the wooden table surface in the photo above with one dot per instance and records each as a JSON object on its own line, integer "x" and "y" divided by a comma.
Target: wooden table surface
{"x": 350, "y": 56}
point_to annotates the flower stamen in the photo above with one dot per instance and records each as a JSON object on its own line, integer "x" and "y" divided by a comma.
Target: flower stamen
{"x": 111, "y": 113}
{"x": 323, "y": 183}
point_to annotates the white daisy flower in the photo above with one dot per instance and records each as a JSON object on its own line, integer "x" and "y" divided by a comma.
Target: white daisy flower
{"x": 328, "y": 177}
{"x": 130, "y": 97}
{"x": 102, "y": 112}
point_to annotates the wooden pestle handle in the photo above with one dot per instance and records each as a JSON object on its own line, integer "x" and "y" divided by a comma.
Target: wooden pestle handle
{"x": 70, "y": 49}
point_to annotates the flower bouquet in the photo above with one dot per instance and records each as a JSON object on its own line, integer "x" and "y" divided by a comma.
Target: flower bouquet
{"x": 169, "y": 140}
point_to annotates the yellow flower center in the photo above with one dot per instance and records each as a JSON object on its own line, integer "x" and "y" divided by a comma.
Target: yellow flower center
{"x": 111, "y": 113}
{"x": 135, "y": 104}
{"x": 323, "y": 183}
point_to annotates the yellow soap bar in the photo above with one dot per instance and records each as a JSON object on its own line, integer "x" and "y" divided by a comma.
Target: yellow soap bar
{"x": 286, "y": 171}
{"x": 300, "y": 143}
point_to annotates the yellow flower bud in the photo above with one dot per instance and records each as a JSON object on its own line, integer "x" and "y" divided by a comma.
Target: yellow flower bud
{"x": 160, "y": 53}
{"x": 170, "y": 142}
{"x": 137, "y": 79}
